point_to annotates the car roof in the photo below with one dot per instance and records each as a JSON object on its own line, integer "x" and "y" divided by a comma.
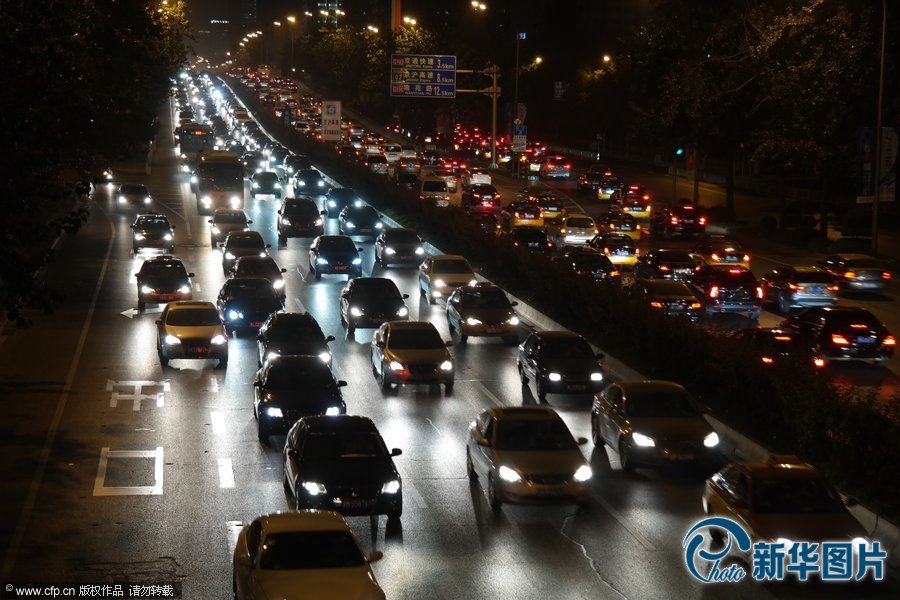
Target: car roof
{"x": 578, "y": 216}
{"x": 410, "y": 325}
{"x": 295, "y": 361}
{"x": 245, "y": 233}
{"x": 338, "y": 423}
{"x": 524, "y": 413}
{"x": 649, "y": 385}
{"x": 303, "y": 520}
{"x": 179, "y": 304}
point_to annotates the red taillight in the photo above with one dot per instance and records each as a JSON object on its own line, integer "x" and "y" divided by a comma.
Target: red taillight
{"x": 714, "y": 256}
{"x": 515, "y": 243}
{"x": 674, "y": 220}
{"x": 839, "y": 340}
{"x": 714, "y": 291}
{"x": 767, "y": 360}
{"x": 568, "y": 166}
{"x": 476, "y": 195}
{"x": 646, "y": 196}
{"x": 794, "y": 286}
{"x": 759, "y": 293}
{"x": 606, "y": 251}
{"x": 850, "y": 275}
{"x": 663, "y": 268}
{"x": 703, "y": 220}
{"x": 516, "y": 214}
{"x": 833, "y": 288}
{"x": 782, "y": 338}
{"x": 889, "y": 341}
{"x": 421, "y": 197}
{"x": 596, "y": 231}
{"x": 885, "y": 275}
{"x": 735, "y": 271}
{"x": 614, "y": 273}
{"x": 818, "y": 362}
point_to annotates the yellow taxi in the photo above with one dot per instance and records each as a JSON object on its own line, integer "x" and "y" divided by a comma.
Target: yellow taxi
{"x": 619, "y": 247}
{"x": 618, "y": 222}
{"x": 521, "y": 214}
{"x": 719, "y": 250}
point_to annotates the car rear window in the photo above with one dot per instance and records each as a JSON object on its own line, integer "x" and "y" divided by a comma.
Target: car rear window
{"x": 813, "y": 277}
{"x": 580, "y": 222}
{"x": 434, "y": 186}
{"x": 734, "y": 278}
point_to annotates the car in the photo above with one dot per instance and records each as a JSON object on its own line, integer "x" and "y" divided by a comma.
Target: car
{"x": 261, "y": 266}
{"x": 370, "y": 301}
{"x": 637, "y": 204}
{"x": 448, "y": 177}
{"x": 408, "y": 153}
{"x": 336, "y": 199}
{"x": 103, "y": 174}
{"x": 479, "y": 197}
{"x": 572, "y": 229}
{"x": 683, "y": 219}
{"x": 670, "y": 298}
{"x": 430, "y": 157}
{"x": 559, "y": 362}
{"x": 224, "y": 221}
{"x": 162, "y": 279}
{"x": 665, "y": 263}
{"x": 589, "y": 262}
{"x": 799, "y": 287}
{"x": 488, "y": 223}
{"x": 398, "y": 245}
{"x": 482, "y": 310}
{"x": 246, "y": 302}
{"x": 591, "y": 177}
{"x": 341, "y": 463}
{"x": 719, "y": 250}
{"x": 550, "y": 205}
{"x": 360, "y": 219}
{"x": 623, "y": 190}
{"x": 842, "y": 333}
{"x": 308, "y": 182}
{"x": 405, "y": 352}
{"x": 607, "y": 187}
{"x": 439, "y": 275}
{"x": 152, "y": 230}
{"x": 653, "y": 423}
{"x": 616, "y": 221}
{"x": 392, "y": 152}
{"x": 780, "y": 499}
{"x": 133, "y": 194}
{"x": 334, "y": 254}
{"x": 191, "y": 329}
{"x": 528, "y": 239}
{"x": 299, "y": 217}
{"x": 526, "y": 454}
{"x": 265, "y": 183}
{"x": 436, "y": 190}
{"x": 555, "y": 166}
{"x": 376, "y": 163}
{"x": 521, "y": 213}
{"x": 294, "y": 163}
{"x": 254, "y": 162}
{"x": 475, "y": 176}
{"x": 288, "y": 333}
{"x": 620, "y": 248}
{"x": 314, "y": 551}
{"x": 857, "y": 272}
{"x": 776, "y": 345}
{"x": 727, "y": 289}
{"x": 290, "y": 387}
{"x": 242, "y": 243}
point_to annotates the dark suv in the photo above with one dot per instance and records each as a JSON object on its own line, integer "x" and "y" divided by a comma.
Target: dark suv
{"x": 480, "y": 198}
{"x": 684, "y": 219}
{"x": 842, "y": 333}
{"x": 728, "y": 289}
{"x": 299, "y": 217}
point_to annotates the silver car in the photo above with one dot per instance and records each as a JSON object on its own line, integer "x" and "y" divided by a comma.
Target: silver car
{"x": 799, "y": 287}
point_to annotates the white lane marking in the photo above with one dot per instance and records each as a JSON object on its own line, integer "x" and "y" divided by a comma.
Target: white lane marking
{"x": 218, "y": 422}
{"x": 136, "y": 394}
{"x": 411, "y": 491}
{"x": 300, "y": 305}
{"x": 489, "y": 393}
{"x": 430, "y": 422}
{"x": 24, "y": 520}
{"x": 213, "y": 385}
{"x": 100, "y": 489}
{"x": 226, "y": 473}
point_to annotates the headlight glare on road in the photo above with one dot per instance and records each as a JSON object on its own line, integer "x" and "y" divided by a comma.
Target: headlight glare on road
{"x": 642, "y": 440}
{"x": 314, "y": 488}
{"x": 711, "y": 440}
{"x": 274, "y": 411}
{"x": 507, "y": 474}
{"x": 395, "y": 366}
{"x": 446, "y": 366}
{"x": 218, "y": 339}
{"x": 583, "y": 473}
{"x": 554, "y": 377}
{"x": 391, "y": 487}
{"x": 596, "y": 376}
{"x": 171, "y": 340}
{"x": 402, "y": 311}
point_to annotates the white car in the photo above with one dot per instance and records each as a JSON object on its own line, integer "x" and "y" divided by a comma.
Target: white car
{"x": 448, "y": 177}
{"x": 305, "y": 554}
{"x": 440, "y": 275}
{"x": 475, "y": 176}
{"x": 408, "y": 153}
{"x": 573, "y": 229}
{"x": 392, "y": 153}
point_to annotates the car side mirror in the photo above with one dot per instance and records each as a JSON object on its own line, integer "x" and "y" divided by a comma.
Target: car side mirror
{"x": 396, "y": 451}
{"x": 599, "y": 356}
{"x": 375, "y": 555}
{"x": 514, "y": 303}
{"x": 483, "y": 441}
{"x": 257, "y": 383}
{"x": 249, "y": 222}
{"x": 850, "y": 501}
{"x": 323, "y": 212}
{"x": 209, "y": 221}
{"x": 330, "y": 338}
{"x": 379, "y": 344}
{"x": 582, "y": 441}
{"x": 159, "y": 321}
{"x": 341, "y": 383}
{"x": 448, "y": 343}
{"x": 404, "y": 296}
{"x": 359, "y": 249}
{"x": 284, "y": 270}
{"x": 268, "y": 245}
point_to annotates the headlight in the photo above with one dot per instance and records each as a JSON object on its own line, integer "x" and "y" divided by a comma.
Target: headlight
{"x": 711, "y": 440}
{"x": 403, "y": 311}
{"x": 332, "y": 411}
{"x": 324, "y": 356}
{"x": 395, "y": 366}
{"x": 146, "y": 289}
{"x": 300, "y": 182}
{"x": 319, "y": 222}
{"x": 357, "y": 261}
{"x": 332, "y": 203}
{"x": 313, "y": 488}
{"x": 379, "y": 225}
{"x": 218, "y": 339}
{"x": 234, "y": 315}
{"x": 583, "y": 473}
{"x": 390, "y": 251}
{"x": 184, "y": 289}
{"x": 391, "y": 487}
{"x": 147, "y": 200}
{"x": 513, "y": 320}
{"x": 171, "y": 340}
{"x": 278, "y": 284}
{"x": 121, "y": 199}
{"x": 139, "y": 237}
{"x": 321, "y": 261}
{"x": 349, "y": 225}
{"x": 229, "y": 255}
{"x": 320, "y": 183}
{"x": 262, "y": 254}
{"x": 472, "y": 321}
{"x": 285, "y": 221}
{"x": 420, "y": 251}
{"x": 215, "y": 230}
{"x": 446, "y": 366}
{"x": 277, "y": 186}
{"x": 642, "y": 440}
{"x": 554, "y": 377}
{"x": 473, "y": 282}
{"x": 272, "y": 355}
{"x": 507, "y": 474}
{"x": 596, "y": 376}
{"x": 235, "y": 202}
{"x": 206, "y": 201}
{"x": 168, "y": 237}
{"x": 274, "y": 411}
{"x": 255, "y": 185}
{"x": 439, "y": 283}
{"x": 355, "y": 311}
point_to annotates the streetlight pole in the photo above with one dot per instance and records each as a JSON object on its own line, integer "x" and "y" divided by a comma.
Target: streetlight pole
{"x": 516, "y": 165}
{"x": 876, "y": 182}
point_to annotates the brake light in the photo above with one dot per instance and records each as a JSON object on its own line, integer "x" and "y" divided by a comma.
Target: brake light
{"x": 674, "y": 220}
{"x": 516, "y": 214}
{"x": 447, "y": 198}
{"x": 568, "y": 166}
{"x": 663, "y": 268}
{"x": 889, "y": 341}
{"x": 714, "y": 256}
{"x": 794, "y": 286}
{"x": 655, "y": 304}
{"x": 421, "y": 197}
{"x": 703, "y": 220}
{"x": 476, "y": 195}
{"x": 858, "y": 326}
{"x": 614, "y": 273}
{"x": 767, "y": 360}
{"x": 695, "y": 305}
{"x": 734, "y": 271}
{"x": 612, "y": 225}
{"x": 714, "y": 291}
{"x": 818, "y": 362}
{"x": 606, "y": 251}
{"x": 839, "y": 340}
{"x": 596, "y": 231}
{"x": 646, "y": 196}
{"x": 687, "y": 207}
{"x": 562, "y": 230}
{"x": 515, "y": 243}
{"x": 746, "y": 258}
{"x": 549, "y": 244}
{"x": 782, "y": 338}
{"x": 885, "y": 275}
{"x": 850, "y": 275}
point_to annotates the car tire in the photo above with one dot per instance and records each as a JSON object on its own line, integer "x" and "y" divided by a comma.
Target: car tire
{"x": 212, "y": 243}
{"x": 383, "y": 379}
{"x": 395, "y": 514}
{"x": 171, "y": 249}
{"x": 222, "y": 364}
{"x": 625, "y": 458}
{"x": 262, "y": 434}
{"x": 783, "y": 306}
{"x": 493, "y": 497}
{"x": 541, "y": 393}
{"x": 282, "y": 241}
{"x": 141, "y": 304}
{"x": 470, "y": 467}
{"x": 595, "y": 432}
{"x": 448, "y": 388}
{"x": 317, "y": 274}
{"x": 522, "y": 376}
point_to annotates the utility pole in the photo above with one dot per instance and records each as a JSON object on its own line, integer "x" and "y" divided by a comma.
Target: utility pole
{"x": 493, "y": 92}
{"x": 876, "y": 182}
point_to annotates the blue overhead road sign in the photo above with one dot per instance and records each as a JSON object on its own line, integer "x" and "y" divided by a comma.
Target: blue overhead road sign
{"x": 423, "y": 75}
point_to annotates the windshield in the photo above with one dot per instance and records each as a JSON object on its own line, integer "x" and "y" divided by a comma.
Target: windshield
{"x": 580, "y": 222}
{"x": 153, "y": 223}
{"x": 159, "y": 271}
{"x": 452, "y": 266}
{"x": 864, "y": 263}
{"x": 257, "y": 268}
{"x": 231, "y": 218}
{"x": 301, "y": 210}
{"x": 401, "y": 237}
{"x": 342, "y": 193}
{"x": 529, "y": 235}
{"x": 243, "y": 241}
{"x": 193, "y": 317}
{"x": 675, "y": 257}
{"x": 337, "y": 244}
{"x": 134, "y": 189}
{"x": 659, "y": 405}
{"x": 813, "y": 277}
{"x": 586, "y": 260}
{"x": 795, "y": 495}
{"x": 415, "y": 339}
{"x": 434, "y": 186}
{"x": 485, "y": 299}
{"x": 346, "y": 444}
{"x": 567, "y": 349}
{"x": 291, "y": 376}
{"x": 298, "y": 550}
{"x": 855, "y": 317}
{"x": 266, "y": 177}
{"x": 533, "y": 435}
{"x": 375, "y": 287}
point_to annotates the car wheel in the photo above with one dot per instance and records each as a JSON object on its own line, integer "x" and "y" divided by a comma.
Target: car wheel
{"x": 262, "y": 434}
{"x": 463, "y": 338}
{"x": 625, "y": 458}
{"x": 383, "y": 378}
{"x": 470, "y": 467}
{"x": 223, "y": 363}
{"x": 595, "y": 432}
{"x": 141, "y": 304}
{"x": 541, "y": 393}
{"x": 282, "y": 241}
{"x": 784, "y": 306}
{"x": 212, "y": 243}
{"x": 522, "y": 376}
{"x": 448, "y": 387}
{"x": 493, "y": 496}
{"x": 396, "y": 513}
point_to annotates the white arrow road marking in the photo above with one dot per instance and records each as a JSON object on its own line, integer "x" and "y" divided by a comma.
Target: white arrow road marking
{"x": 218, "y": 422}
{"x": 226, "y": 473}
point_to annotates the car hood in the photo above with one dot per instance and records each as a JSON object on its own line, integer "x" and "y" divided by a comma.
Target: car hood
{"x": 247, "y": 251}
{"x": 350, "y": 472}
{"x": 686, "y": 429}
{"x": 453, "y": 278}
{"x": 813, "y": 527}
{"x": 188, "y": 332}
{"x": 418, "y": 356}
{"x": 486, "y": 314}
{"x": 317, "y": 399}
{"x": 541, "y": 462}
{"x": 570, "y": 367}
{"x": 319, "y": 584}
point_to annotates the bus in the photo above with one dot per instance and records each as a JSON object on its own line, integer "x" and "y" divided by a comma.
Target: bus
{"x": 193, "y": 138}
{"x": 220, "y": 181}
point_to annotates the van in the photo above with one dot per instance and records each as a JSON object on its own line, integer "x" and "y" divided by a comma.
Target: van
{"x": 435, "y": 189}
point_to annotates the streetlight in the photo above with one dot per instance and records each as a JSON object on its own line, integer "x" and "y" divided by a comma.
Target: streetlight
{"x": 372, "y": 28}
{"x": 292, "y": 20}
{"x": 410, "y": 21}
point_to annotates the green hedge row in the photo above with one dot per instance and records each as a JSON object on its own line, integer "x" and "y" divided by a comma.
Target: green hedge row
{"x": 788, "y": 407}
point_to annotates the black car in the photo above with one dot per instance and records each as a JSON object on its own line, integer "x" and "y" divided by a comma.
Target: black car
{"x": 309, "y": 182}
{"x": 398, "y": 245}
{"x": 246, "y": 302}
{"x": 559, "y": 362}
{"x": 288, "y": 388}
{"x": 360, "y": 219}
{"x": 261, "y": 266}
{"x": 727, "y": 289}
{"x": 589, "y": 262}
{"x": 152, "y": 230}
{"x": 482, "y": 310}
{"x": 665, "y": 264}
{"x": 295, "y": 163}
{"x": 842, "y": 333}
{"x": 683, "y": 219}
{"x": 162, "y": 279}
{"x": 133, "y": 194}
{"x": 670, "y": 298}
{"x": 242, "y": 243}
{"x": 299, "y": 217}
{"x": 480, "y": 197}
{"x": 339, "y": 198}
{"x": 528, "y": 239}
{"x": 342, "y": 464}
{"x": 286, "y": 333}
{"x": 775, "y": 345}
{"x": 370, "y": 301}
{"x": 593, "y": 176}
{"x": 265, "y": 183}
{"x": 857, "y": 272}
{"x": 334, "y": 254}
{"x": 224, "y": 221}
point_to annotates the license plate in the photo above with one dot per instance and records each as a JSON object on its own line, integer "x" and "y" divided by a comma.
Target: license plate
{"x": 865, "y": 340}
{"x": 488, "y": 198}
{"x": 621, "y": 253}
{"x": 576, "y": 387}
{"x": 354, "y": 503}
{"x": 366, "y": 230}
{"x": 680, "y": 456}
{"x": 166, "y": 297}
{"x": 676, "y": 308}
{"x": 200, "y": 350}
{"x": 688, "y": 221}
{"x": 340, "y": 268}
{"x": 546, "y": 490}
{"x": 256, "y": 324}
{"x": 493, "y": 329}
{"x": 731, "y": 259}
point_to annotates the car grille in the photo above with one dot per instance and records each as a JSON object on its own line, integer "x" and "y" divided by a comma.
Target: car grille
{"x": 420, "y": 369}
{"x": 189, "y": 344}
{"x": 548, "y": 479}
